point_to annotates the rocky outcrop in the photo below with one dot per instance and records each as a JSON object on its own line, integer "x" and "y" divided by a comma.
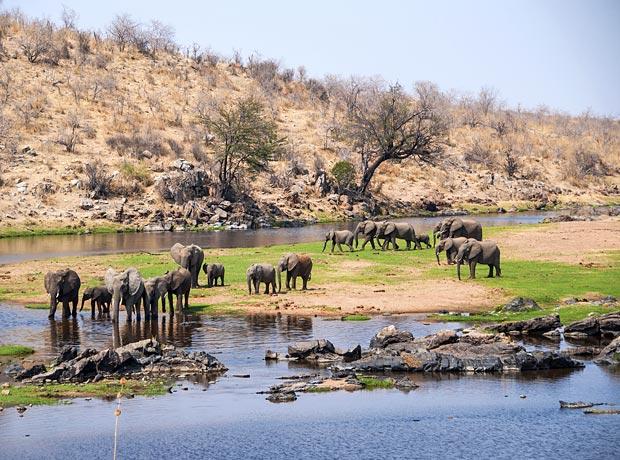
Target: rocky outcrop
{"x": 321, "y": 350}
{"x": 596, "y": 326}
{"x": 535, "y": 326}
{"x": 143, "y": 358}
{"x": 389, "y": 335}
{"x": 520, "y": 304}
{"x": 610, "y": 355}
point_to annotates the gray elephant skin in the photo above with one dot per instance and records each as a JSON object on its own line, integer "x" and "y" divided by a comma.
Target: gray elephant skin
{"x": 214, "y": 273}
{"x": 475, "y": 252}
{"x": 100, "y": 300}
{"x": 177, "y": 282}
{"x": 451, "y": 246}
{"x": 368, "y": 229}
{"x": 389, "y": 232}
{"x": 128, "y": 287}
{"x": 189, "y": 257}
{"x": 294, "y": 265}
{"x": 339, "y": 237}
{"x": 454, "y": 227}
{"x": 437, "y": 232}
{"x": 63, "y": 286}
{"x": 261, "y": 273}
{"x": 423, "y": 238}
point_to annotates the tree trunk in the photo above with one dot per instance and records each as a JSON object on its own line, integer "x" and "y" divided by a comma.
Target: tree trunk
{"x": 369, "y": 173}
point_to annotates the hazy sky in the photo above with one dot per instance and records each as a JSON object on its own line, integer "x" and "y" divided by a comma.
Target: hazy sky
{"x": 562, "y": 53}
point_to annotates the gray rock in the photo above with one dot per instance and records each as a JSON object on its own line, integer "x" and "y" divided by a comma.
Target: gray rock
{"x": 520, "y": 304}
{"x": 610, "y": 355}
{"x": 303, "y": 350}
{"x": 282, "y": 397}
{"x": 86, "y": 204}
{"x": 535, "y": 326}
{"x": 28, "y": 373}
{"x": 14, "y": 369}
{"x": 607, "y": 325}
{"x": 389, "y": 335}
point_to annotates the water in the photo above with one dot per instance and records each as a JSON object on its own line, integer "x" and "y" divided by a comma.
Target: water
{"x": 45, "y": 247}
{"x": 463, "y": 416}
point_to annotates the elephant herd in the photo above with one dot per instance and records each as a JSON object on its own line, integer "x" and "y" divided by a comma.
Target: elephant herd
{"x": 461, "y": 239}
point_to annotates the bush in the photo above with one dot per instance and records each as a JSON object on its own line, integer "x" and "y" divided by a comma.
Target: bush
{"x": 137, "y": 143}
{"x": 583, "y": 163}
{"x": 98, "y": 181}
{"x": 344, "y": 174}
{"x": 479, "y": 154}
{"x": 136, "y": 172}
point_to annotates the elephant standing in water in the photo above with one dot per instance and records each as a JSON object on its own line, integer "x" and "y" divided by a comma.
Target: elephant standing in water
{"x": 100, "y": 300}
{"x": 475, "y": 252}
{"x": 177, "y": 282}
{"x": 295, "y": 265}
{"x": 127, "y": 287}
{"x": 390, "y": 231}
{"x": 189, "y": 257}
{"x": 63, "y": 286}
{"x": 338, "y": 237}
{"x": 451, "y": 246}
{"x": 261, "y": 273}
{"x": 368, "y": 228}
{"x": 454, "y": 227}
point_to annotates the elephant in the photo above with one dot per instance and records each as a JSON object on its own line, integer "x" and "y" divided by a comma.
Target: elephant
{"x": 339, "y": 237}
{"x": 157, "y": 288}
{"x": 390, "y": 231}
{"x": 475, "y": 252}
{"x": 180, "y": 284}
{"x": 189, "y": 257}
{"x": 453, "y": 227}
{"x": 63, "y": 286}
{"x": 261, "y": 273}
{"x": 451, "y": 246}
{"x": 100, "y": 300}
{"x": 436, "y": 232}
{"x": 369, "y": 229}
{"x": 214, "y": 272}
{"x": 127, "y": 286}
{"x": 295, "y": 265}
{"x": 423, "y": 238}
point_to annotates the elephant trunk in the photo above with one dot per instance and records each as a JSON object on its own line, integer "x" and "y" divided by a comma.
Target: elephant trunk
{"x": 324, "y": 245}
{"x": 437, "y": 255}
{"x": 116, "y": 300}
{"x": 249, "y": 284}
{"x": 458, "y": 268}
{"x": 279, "y": 279}
{"x": 83, "y": 300}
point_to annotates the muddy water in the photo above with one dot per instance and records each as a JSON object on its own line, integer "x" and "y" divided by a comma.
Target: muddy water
{"x": 479, "y": 416}
{"x": 30, "y": 248}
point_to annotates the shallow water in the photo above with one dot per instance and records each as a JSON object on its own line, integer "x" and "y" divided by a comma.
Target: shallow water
{"x": 472, "y": 416}
{"x": 44, "y": 247}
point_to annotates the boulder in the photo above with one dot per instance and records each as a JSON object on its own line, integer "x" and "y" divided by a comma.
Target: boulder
{"x": 303, "y": 350}
{"x": 389, "y": 335}
{"x": 610, "y": 355}
{"x": 535, "y": 326}
{"x": 86, "y": 204}
{"x": 67, "y": 353}
{"x": 520, "y": 304}
{"x": 607, "y": 325}
{"x": 440, "y": 338}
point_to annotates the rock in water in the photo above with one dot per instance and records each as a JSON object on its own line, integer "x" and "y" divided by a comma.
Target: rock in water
{"x": 281, "y": 397}
{"x": 576, "y": 404}
{"x": 535, "y": 326}
{"x": 607, "y": 325}
{"x": 520, "y": 304}
{"x": 302, "y": 350}
{"x": 389, "y": 335}
{"x": 610, "y": 355}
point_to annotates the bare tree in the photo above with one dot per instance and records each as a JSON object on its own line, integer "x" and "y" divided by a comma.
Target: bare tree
{"x": 389, "y": 125}
{"x": 161, "y": 37}
{"x": 71, "y": 134}
{"x": 69, "y": 17}
{"x": 122, "y": 31}
{"x": 487, "y": 100}
{"x": 36, "y": 42}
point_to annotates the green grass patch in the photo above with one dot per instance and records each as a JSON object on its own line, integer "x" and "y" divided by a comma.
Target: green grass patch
{"x": 320, "y": 389}
{"x": 38, "y": 306}
{"x": 37, "y": 230}
{"x": 15, "y": 350}
{"x": 355, "y": 317}
{"x": 374, "y": 383}
{"x": 52, "y": 393}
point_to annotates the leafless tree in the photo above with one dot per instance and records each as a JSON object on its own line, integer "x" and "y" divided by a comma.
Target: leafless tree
{"x": 37, "y": 41}
{"x": 69, "y": 17}
{"x": 487, "y": 100}
{"x": 6, "y": 84}
{"x": 160, "y": 37}
{"x": 389, "y": 125}
{"x": 511, "y": 162}
{"x": 71, "y": 134}
{"x": 122, "y": 30}
{"x": 301, "y": 73}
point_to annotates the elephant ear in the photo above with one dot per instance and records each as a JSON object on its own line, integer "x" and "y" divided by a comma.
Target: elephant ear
{"x": 176, "y": 279}
{"x": 456, "y": 225}
{"x": 448, "y": 244}
{"x": 293, "y": 260}
{"x": 389, "y": 228}
{"x": 109, "y": 279}
{"x": 134, "y": 280}
{"x": 475, "y": 251}
{"x": 175, "y": 252}
{"x": 48, "y": 281}
{"x": 200, "y": 255}
{"x": 370, "y": 227}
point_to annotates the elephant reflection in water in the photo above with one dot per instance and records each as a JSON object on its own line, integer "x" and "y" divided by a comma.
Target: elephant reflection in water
{"x": 66, "y": 332}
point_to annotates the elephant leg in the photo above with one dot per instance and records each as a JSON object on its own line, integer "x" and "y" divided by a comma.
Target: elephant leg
{"x": 409, "y": 245}
{"x": 163, "y": 303}
{"x": 472, "y": 270}
{"x": 288, "y": 281}
{"x": 186, "y": 300}
{"x": 394, "y": 244}
{"x": 128, "y": 310}
{"x": 350, "y": 247}
{"x": 179, "y": 302}
{"x": 333, "y": 246}
{"x": 372, "y": 243}
{"x": 92, "y": 308}
{"x": 170, "y": 304}
{"x": 53, "y": 306}
{"x": 66, "y": 312}
{"x": 490, "y": 275}
{"x": 340, "y": 247}
{"x": 75, "y": 305}
{"x": 294, "y": 282}
{"x": 304, "y": 280}
{"x": 273, "y": 287}
{"x": 498, "y": 271}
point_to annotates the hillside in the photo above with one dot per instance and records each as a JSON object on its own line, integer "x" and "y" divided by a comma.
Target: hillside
{"x": 77, "y": 108}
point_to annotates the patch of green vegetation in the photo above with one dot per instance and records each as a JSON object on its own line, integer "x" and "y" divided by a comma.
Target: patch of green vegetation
{"x": 355, "y": 317}
{"x": 37, "y": 306}
{"x": 320, "y": 389}
{"x": 136, "y": 171}
{"x": 218, "y": 309}
{"x": 374, "y": 383}
{"x": 52, "y": 393}
{"x": 37, "y": 230}
{"x": 15, "y": 350}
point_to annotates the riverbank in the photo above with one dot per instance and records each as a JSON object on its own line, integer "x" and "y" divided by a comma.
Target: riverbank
{"x": 548, "y": 262}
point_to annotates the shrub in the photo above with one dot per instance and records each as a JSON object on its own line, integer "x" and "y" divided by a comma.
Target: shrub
{"x": 137, "y": 143}
{"x": 136, "y": 172}
{"x": 344, "y": 174}
{"x": 98, "y": 181}
{"x": 479, "y": 154}
{"x": 583, "y": 163}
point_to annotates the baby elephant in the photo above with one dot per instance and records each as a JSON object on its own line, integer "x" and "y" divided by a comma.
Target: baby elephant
{"x": 451, "y": 246}
{"x": 214, "y": 272}
{"x": 478, "y": 252}
{"x": 261, "y": 273}
{"x": 338, "y": 237}
{"x": 295, "y": 265}
{"x": 423, "y": 238}
{"x": 100, "y": 300}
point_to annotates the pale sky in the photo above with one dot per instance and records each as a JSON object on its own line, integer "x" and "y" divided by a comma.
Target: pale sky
{"x": 562, "y": 53}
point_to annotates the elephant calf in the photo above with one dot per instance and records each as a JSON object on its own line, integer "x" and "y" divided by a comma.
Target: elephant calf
{"x": 261, "y": 273}
{"x": 338, "y": 237}
{"x": 100, "y": 300}
{"x": 423, "y": 238}
{"x": 295, "y": 265}
{"x": 478, "y": 252}
{"x": 451, "y": 246}
{"x": 214, "y": 272}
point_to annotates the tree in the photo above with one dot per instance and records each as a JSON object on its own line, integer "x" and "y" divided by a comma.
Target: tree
{"x": 344, "y": 174}
{"x": 245, "y": 141}
{"x": 388, "y": 125}
{"x": 123, "y": 30}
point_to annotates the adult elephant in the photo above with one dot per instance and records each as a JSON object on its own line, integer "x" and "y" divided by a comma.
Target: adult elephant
{"x": 62, "y": 286}
{"x": 437, "y": 232}
{"x": 295, "y": 265}
{"x": 189, "y": 257}
{"x": 261, "y": 273}
{"x": 339, "y": 237}
{"x": 454, "y": 227}
{"x": 451, "y": 246}
{"x": 390, "y": 231}
{"x": 475, "y": 252}
{"x": 368, "y": 229}
{"x": 100, "y": 300}
{"x": 127, "y": 287}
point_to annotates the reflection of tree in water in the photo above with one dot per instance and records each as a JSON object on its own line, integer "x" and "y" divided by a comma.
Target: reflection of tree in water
{"x": 64, "y": 332}
{"x": 167, "y": 329}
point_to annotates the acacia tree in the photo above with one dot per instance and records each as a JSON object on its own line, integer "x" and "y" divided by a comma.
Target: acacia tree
{"x": 389, "y": 125}
{"x": 245, "y": 141}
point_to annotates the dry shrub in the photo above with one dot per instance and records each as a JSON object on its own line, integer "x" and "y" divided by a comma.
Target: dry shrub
{"x": 98, "y": 181}
{"x": 479, "y": 154}
{"x": 584, "y": 164}
{"x": 137, "y": 144}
